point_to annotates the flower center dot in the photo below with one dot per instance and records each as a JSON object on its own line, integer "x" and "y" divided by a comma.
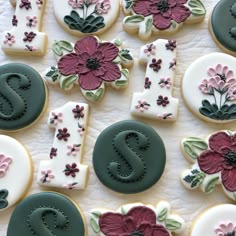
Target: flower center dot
{"x": 222, "y": 77}
{"x": 92, "y": 64}
{"x": 163, "y": 6}
{"x": 230, "y": 234}
{"x": 231, "y": 159}
{"x": 136, "y": 233}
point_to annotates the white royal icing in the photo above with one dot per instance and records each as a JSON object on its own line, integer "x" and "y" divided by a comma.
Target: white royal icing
{"x": 110, "y": 13}
{"x": 203, "y": 73}
{"x": 159, "y": 81}
{"x": 53, "y": 172}
{"x": 15, "y": 170}
{"x": 215, "y": 221}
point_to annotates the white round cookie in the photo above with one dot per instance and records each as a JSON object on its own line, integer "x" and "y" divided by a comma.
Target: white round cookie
{"x": 80, "y": 17}
{"x": 15, "y": 171}
{"x": 216, "y": 221}
{"x": 209, "y": 87}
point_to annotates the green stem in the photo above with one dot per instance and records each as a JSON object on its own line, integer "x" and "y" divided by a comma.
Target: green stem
{"x": 220, "y": 101}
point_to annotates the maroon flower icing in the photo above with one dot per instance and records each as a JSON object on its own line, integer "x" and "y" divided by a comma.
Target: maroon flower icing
{"x": 139, "y": 221}
{"x": 92, "y": 62}
{"x": 71, "y": 170}
{"x": 163, "y": 11}
{"x": 78, "y": 112}
{"x": 221, "y": 157}
{"x": 162, "y": 101}
{"x": 63, "y": 134}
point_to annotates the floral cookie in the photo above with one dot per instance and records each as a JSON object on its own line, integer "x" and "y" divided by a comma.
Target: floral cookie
{"x": 214, "y": 162}
{"x": 129, "y": 157}
{"x": 222, "y": 25}
{"x": 64, "y": 168}
{"x": 136, "y": 219}
{"x": 25, "y": 37}
{"x": 23, "y": 96}
{"x": 82, "y": 17}
{"x": 47, "y": 213}
{"x": 149, "y": 17}
{"x": 14, "y": 159}
{"x": 156, "y": 102}
{"x": 216, "y": 221}
{"x": 209, "y": 87}
{"x": 90, "y": 64}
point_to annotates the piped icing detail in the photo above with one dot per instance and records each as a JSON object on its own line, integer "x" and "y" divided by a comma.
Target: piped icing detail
{"x": 4, "y": 164}
{"x": 226, "y": 229}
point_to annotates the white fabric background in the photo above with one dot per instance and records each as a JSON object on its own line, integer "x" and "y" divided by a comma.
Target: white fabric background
{"x": 193, "y": 42}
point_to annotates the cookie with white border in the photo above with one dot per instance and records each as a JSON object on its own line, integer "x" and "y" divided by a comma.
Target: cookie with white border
{"x": 209, "y": 87}
{"x": 16, "y": 172}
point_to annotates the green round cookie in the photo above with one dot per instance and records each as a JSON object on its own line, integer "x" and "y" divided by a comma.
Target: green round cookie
{"x": 223, "y": 24}
{"x": 46, "y": 214}
{"x": 23, "y": 96}
{"x": 129, "y": 157}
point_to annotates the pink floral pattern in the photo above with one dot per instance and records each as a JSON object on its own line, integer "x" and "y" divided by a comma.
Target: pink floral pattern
{"x": 150, "y": 49}
{"x": 163, "y": 11}
{"x": 31, "y": 21}
{"x": 142, "y": 106}
{"x": 73, "y": 149}
{"x": 165, "y": 116}
{"x": 226, "y": 229}
{"x": 4, "y": 164}
{"x": 165, "y": 83}
{"x": 81, "y": 129}
{"x": 92, "y": 62}
{"x": 103, "y": 7}
{"x": 9, "y": 39}
{"x": 30, "y": 48}
{"x": 76, "y": 3}
{"x": 46, "y": 176}
{"x": 56, "y": 118}
{"x": 70, "y": 185}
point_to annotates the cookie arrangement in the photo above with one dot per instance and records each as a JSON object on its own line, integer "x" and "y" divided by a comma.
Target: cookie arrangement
{"x": 126, "y": 164}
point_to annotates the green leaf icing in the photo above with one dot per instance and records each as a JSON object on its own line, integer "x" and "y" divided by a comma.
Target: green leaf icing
{"x": 211, "y": 185}
{"x": 57, "y": 49}
{"x": 95, "y": 96}
{"x": 123, "y": 211}
{"x": 118, "y": 42}
{"x": 149, "y": 23}
{"x": 94, "y": 225}
{"x": 197, "y": 8}
{"x": 129, "y": 4}
{"x": 195, "y": 178}
{"x": 59, "y": 46}
{"x": 121, "y": 83}
{"x": 68, "y": 81}
{"x": 125, "y": 72}
{"x": 66, "y": 45}
{"x": 3, "y": 200}
{"x": 234, "y": 195}
{"x": 96, "y": 214}
{"x": 134, "y": 19}
{"x": 172, "y": 225}
{"x": 53, "y": 73}
{"x": 162, "y": 215}
{"x": 125, "y": 55}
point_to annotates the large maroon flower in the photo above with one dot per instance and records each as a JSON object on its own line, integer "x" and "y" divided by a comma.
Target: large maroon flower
{"x": 92, "y": 61}
{"x": 221, "y": 158}
{"x": 163, "y": 11}
{"x": 139, "y": 221}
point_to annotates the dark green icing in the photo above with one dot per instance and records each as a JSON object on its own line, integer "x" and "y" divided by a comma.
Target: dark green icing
{"x": 129, "y": 157}
{"x": 22, "y": 96}
{"x": 3, "y": 198}
{"x": 46, "y": 214}
{"x": 223, "y": 22}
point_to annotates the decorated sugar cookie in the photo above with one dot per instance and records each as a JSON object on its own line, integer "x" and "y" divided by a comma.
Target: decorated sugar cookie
{"x": 129, "y": 157}
{"x": 26, "y": 37}
{"x": 47, "y": 213}
{"x": 219, "y": 220}
{"x": 14, "y": 159}
{"x": 23, "y": 96}
{"x": 136, "y": 219}
{"x": 214, "y": 162}
{"x": 156, "y": 102}
{"x": 147, "y": 17}
{"x": 222, "y": 25}
{"x": 209, "y": 87}
{"x": 90, "y": 64}
{"x": 81, "y": 17}
{"x": 63, "y": 169}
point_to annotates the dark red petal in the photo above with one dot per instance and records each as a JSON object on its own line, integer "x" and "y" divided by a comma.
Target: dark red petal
{"x": 112, "y": 72}
{"x": 161, "y": 22}
{"x": 99, "y": 72}
{"x": 142, "y": 214}
{"x": 109, "y": 50}
{"x": 180, "y": 13}
{"x": 159, "y": 230}
{"x": 146, "y": 229}
{"x": 89, "y": 81}
{"x": 98, "y": 55}
{"x": 88, "y": 44}
{"x": 129, "y": 224}
{"x": 211, "y": 162}
{"x": 142, "y": 7}
{"x": 112, "y": 224}
{"x": 173, "y": 3}
{"x": 229, "y": 179}
{"x": 180, "y": 1}
{"x": 67, "y": 65}
{"x": 220, "y": 140}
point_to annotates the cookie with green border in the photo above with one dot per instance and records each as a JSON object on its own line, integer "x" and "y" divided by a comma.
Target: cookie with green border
{"x": 23, "y": 96}
{"x": 46, "y": 214}
{"x": 129, "y": 157}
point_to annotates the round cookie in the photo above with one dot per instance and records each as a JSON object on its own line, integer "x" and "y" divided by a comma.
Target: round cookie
{"x": 222, "y": 25}
{"x": 46, "y": 214}
{"x": 216, "y": 221}
{"x": 23, "y": 96}
{"x": 209, "y": 87}
{"x": 83, "y": 17}
{"x": 129, "y": 157}
{"x": 16, "y": 171}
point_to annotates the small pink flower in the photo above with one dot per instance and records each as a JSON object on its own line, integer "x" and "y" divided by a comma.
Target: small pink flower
{"x": 30, "y": 48}
{"x": 56, "y": 118}
{"x": 165, "y": 116}
{"x": 103, "y": 7}
{"x": 173, "y": 64}
{"x": 31, "y": 21}
{"x": 70, "y": 185}
{"x": 165, "y": 83}
{"x": 39, "y": 3}
{"x": 142, "y": 106}
{"x": 226, "y": 229}
{"x": 46, "y": 176}
{"x": 231, "y": 95}
{"x": 4, "y": 164}
{"x": 81, "y": 129}
{"x": 73, "y": 150}
{"x": 205, "y": 86}
{"x": 9, "y": 39}
{"x": 150, "y": 49}
{"x": 76, "y": 3}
